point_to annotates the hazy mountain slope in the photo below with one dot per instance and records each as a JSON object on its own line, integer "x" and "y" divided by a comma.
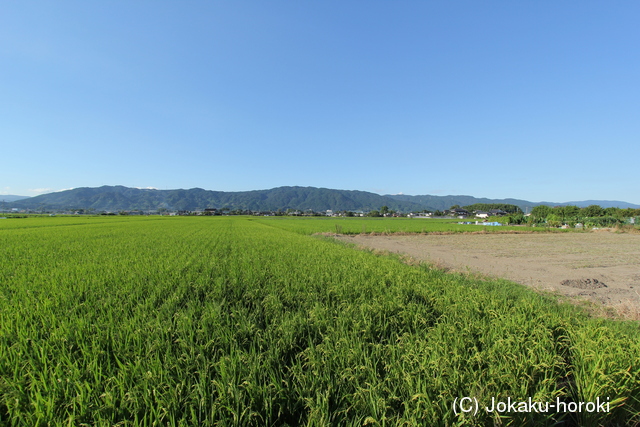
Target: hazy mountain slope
{"x": 114, "y": 198}
{"x": 117, "y": 198}
{"x": 11, "y": 198}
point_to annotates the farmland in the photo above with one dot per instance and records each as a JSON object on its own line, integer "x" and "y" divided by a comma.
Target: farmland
{"x": 600, "y": 267}
{"x": 254, "y": 322}
{"x": 311, "y": 225}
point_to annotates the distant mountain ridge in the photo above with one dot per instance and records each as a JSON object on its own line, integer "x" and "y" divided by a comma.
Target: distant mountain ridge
{"x": 11, "y": 197}
{"x": 118, "y": 198}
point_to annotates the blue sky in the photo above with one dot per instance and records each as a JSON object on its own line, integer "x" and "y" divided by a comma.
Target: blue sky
{"x": 531, "y": 100}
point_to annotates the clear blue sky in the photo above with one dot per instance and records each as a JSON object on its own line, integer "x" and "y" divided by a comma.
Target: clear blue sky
{"x": 532, "y": 100}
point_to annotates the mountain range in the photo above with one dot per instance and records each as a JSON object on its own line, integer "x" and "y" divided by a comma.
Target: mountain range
{"x": 11, "y": 198}
{"x": 119, "y": 198}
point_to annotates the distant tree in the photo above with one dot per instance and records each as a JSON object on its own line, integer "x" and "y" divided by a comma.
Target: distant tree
{"x": 541, "y": 212}
{"x": 516, "y": 218}
{"x": 511, "y": 209}
{"x": 629, "y": 212}
{"x": 437, "y": 213}
{"x": 373, "y": 213}
{"x": 569, "y": 212}
{"x": 384, "y": 209}
{"x": 614, "y": 212}
{"x": 592, "y": 211}
{"x": 554, "y": 220}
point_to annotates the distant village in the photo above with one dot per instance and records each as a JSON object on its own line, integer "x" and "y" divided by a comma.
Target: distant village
{"x": 384, "y": 211}
{"x": 485, "y": 214}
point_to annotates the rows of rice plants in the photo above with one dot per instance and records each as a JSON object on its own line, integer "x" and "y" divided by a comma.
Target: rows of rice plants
{"x": 346, "y": 225}
{"x": 36, "y": 221}
{"x": 230, "y": 321}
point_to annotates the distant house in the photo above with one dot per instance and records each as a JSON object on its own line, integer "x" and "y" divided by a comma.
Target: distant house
{"x": 459, "y": 212}
{"x": 497, "y": 212}
{"x": 420, "y": 215}
{"x": 482, "y": 214}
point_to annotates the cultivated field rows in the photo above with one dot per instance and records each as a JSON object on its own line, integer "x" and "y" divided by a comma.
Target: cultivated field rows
{"x": 237, "y": 321}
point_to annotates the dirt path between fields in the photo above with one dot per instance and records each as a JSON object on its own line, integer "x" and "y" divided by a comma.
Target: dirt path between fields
{"x": 603, "y": 267}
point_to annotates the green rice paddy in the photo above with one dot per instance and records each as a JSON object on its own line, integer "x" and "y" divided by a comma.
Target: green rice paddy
{"x": 243, "y": 321}
{"x": 341, "y": 225}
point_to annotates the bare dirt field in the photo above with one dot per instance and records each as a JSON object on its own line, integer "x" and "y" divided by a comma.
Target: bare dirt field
{"x": 602, "y": 267}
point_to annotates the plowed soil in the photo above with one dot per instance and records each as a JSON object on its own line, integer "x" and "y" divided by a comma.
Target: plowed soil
{"x": 602, "y": 267}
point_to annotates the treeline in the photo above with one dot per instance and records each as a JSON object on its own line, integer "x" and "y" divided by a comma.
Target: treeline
{"x": 593, "y": 215}
{"x": 486, "y": 207}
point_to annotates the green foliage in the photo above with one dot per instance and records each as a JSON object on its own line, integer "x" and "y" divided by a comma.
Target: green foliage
{"x": 237, "y": 321}
{"x": 567, "y": 212}
{"x": 591, "y": 211}
{"x": 312, "y": 225}
{"x": 591, "y": 216}
{"x": 541, "y": 211}
{"x": 603, "y": 221}
{"x": 486, "y": 207}
{"x": 554, "y": 220}
{"x": 516, "y": 218}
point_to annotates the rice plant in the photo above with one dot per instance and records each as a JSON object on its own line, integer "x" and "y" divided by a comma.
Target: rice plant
{"x": 234, "y": 321}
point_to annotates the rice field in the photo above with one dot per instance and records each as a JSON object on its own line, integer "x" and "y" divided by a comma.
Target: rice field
{"x": 237, "y": 321}
{"x": 342, "y": 225}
